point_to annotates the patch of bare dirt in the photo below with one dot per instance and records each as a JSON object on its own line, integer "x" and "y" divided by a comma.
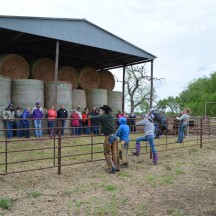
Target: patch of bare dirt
{"x": 183, "y": 183}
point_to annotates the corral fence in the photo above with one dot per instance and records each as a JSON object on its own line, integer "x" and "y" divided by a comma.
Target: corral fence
{"x": 21, "y": 154}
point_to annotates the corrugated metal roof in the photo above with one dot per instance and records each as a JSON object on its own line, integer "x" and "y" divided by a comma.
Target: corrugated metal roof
{"x": 77, "y": 31}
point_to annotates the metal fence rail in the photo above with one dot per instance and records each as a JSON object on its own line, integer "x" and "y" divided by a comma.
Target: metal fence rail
{"x": 21, "y": 155}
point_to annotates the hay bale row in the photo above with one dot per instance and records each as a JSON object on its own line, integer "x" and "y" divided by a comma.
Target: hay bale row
{"x": 16, "y": 67}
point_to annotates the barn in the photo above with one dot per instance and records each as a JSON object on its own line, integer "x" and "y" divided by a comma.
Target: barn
{"x": 56, "y": 60}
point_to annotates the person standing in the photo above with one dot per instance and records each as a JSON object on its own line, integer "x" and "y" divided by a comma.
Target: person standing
{"x": 18, "y": 121}
{"x": 148, "y": 136}
{"x": 63, "y": 115}
{"x": 85, "y": 121}
{"x": 123, "y": 133}
{"x": 8, "y": 116}
{"x": 26, "y": 122}
{"x": 75, "y": 122}
{"x": 110, "y": 140}
{"x": 95, "y": 124}
{"x": 80, "y": 120}
{"x": 183, "y": 123}
{"x": 132, "y": 120}
{"x": 52, "y": 114}
{"x": 37, "y": 115}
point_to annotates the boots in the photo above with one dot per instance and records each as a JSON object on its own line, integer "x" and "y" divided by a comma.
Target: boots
{"x": 155, "y": 159}
{"x": 120, "y": 155}
{"x": 135, "y": 153}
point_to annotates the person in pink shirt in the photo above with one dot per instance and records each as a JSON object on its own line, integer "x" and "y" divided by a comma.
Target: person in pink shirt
{"x": 52, "y": 114}
{"x": 75, "y": 122}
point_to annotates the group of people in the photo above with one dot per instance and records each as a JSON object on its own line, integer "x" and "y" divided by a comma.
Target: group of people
{"x": 131, "y": 119}
{"x": 113, "y": 154}
{"x": 19, "y": 119}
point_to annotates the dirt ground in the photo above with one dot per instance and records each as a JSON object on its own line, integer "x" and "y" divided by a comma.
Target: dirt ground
{"x": 183, "y": 183}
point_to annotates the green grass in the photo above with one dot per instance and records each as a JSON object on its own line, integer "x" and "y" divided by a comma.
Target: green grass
{"x": 6, "y": 203}
{"x": 34, "y": 194}
{"x": 155, "y": 180}
{"x": 110, "y": 187}
{"x": 178, "y": 170}
{"x": 175, "y": 212}
{"x": 141, "y": 210}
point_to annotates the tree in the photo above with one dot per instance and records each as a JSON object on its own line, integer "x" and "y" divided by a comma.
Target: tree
{"x": 172, "y": 103}
{"x": 137, "y": 84}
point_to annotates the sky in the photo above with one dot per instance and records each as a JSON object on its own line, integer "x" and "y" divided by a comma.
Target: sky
{"x": 181, "y": 33}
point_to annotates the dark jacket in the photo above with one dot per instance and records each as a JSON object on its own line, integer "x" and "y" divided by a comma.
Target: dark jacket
{"x": 62, "y": 113}
{"x": 26, "y": 116}
{"x": 107, "y": 123}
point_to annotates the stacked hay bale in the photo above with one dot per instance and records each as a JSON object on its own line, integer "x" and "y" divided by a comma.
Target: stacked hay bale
{"x": 43, "y": 69}
{"x": 14, "y": 66}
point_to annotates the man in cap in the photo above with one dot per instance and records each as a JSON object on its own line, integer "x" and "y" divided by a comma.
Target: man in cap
{"x": 37, "y": 115}
{"x": 8, "y": 116}
{"x": 148, "y": 136}
{"x": 110, "y": 142}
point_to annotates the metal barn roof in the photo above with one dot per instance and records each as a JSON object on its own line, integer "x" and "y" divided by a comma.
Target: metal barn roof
{"x": 81, "y": 42}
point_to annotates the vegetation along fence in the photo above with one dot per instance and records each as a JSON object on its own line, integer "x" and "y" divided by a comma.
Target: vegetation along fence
{"x": 21, "y": 154}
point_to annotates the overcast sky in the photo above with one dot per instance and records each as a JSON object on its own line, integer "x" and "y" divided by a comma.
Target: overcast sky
{"x": 181, "y": 33}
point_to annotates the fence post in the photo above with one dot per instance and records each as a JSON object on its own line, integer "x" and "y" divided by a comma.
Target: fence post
{"x": 6, "y": 154}
{"x": 91, "y": 145}
{"x": 59, "y": 146}
{"x": 201, "y": 131}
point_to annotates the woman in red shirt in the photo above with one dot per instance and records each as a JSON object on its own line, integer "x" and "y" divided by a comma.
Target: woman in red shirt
{"x": 85, "y": 121}
{"x": 52, "y": 114}
{"x": 75, "y": 122}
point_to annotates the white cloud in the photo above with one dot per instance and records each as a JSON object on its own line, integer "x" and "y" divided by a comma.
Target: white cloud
{"x": 180, "y": 33}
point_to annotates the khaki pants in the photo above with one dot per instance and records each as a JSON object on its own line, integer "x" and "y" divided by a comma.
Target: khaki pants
{"x": 124, "y": 152}
{"x": 111, "y": 153}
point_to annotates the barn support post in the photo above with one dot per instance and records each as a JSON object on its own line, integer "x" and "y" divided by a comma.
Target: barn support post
{"x": 123, "y": 90}
{"x": 151, "y": 84}
{"x": 55, "y": 103}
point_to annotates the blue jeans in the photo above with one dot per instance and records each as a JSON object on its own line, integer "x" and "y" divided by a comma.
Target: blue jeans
{"x": 181, "y": 130}
{"x": 150, "y": 139}
{"x": 37, "y": 125}
{"x": 75, "y": 130}
{"x": 19, "y": 127}
{"x": 51, "y": 126}
{"x": 62, "y": 125}
{"x": 9, "y": 127}
{"x": 26, "y": 129}
{"x": 80, "y": 127}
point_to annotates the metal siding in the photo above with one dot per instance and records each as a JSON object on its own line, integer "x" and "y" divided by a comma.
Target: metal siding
{"x": 76, "y": 31}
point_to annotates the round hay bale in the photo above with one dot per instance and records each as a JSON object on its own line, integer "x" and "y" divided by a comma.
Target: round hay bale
{"x": 5, "y": 91}
{"x": 64, "y": 94}
{"x": 25, "y": 92}
{"x": 89, "y": 78}
{"x": 96, "y": 98}
{"x": 107, "y": 80}
{"x": 79, "y": 98}
{"x": 43, "y": 69}
{"x": 14, "y": 66}
{"x": 69, "y": 74}
{"x": 114, "y": 100}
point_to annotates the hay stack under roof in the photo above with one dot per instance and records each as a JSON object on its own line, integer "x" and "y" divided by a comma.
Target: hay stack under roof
{"x": 14, "y": 66}
{"x": 43, "y": 69}
{"x": 69, "y": 74}
{"x": 107, "y": 80}
{"x": 89, "y": 78}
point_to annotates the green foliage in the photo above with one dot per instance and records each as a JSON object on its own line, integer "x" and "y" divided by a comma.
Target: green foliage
{"x": 6, "y": 203}
{"x": 195, "y": 96}
{"x": 34, "y": 194}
